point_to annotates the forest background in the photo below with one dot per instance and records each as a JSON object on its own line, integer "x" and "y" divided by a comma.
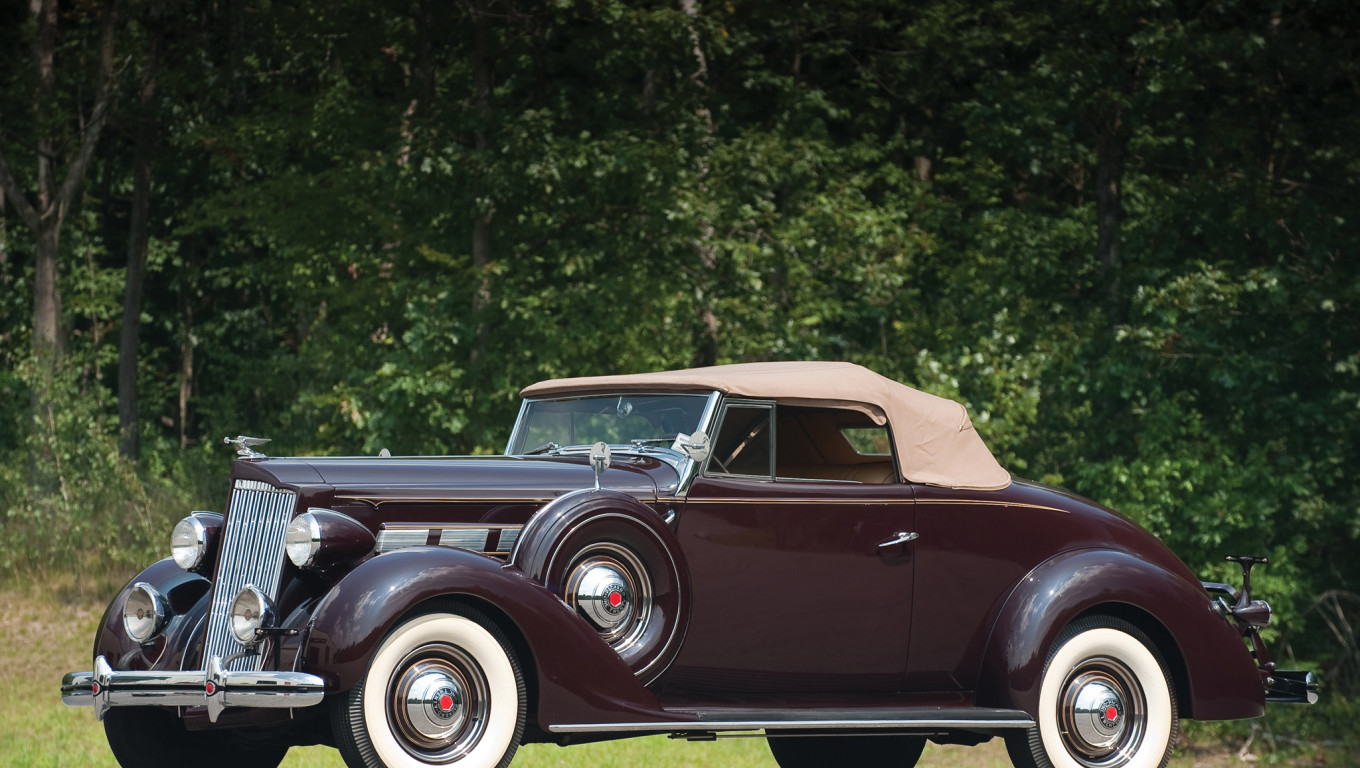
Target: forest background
{"x": 1122, "y": 233}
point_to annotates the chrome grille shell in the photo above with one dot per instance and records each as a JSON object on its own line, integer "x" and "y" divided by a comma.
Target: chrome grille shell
{"x": 252, "y": 553}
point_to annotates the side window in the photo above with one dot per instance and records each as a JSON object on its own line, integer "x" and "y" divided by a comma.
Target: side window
{"x": 835, "y": 445}
{"x": 869, "y": 441}
{"x": 745, "y": 441}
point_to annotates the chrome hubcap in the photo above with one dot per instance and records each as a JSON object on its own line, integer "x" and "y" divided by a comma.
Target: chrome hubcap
{"x": 610, "y": 588}
{"x": 434, "y": 701}
{"x": 438, "y": 703}
{"x": 1102, "y": 714}
{"x": 603, "y": 594}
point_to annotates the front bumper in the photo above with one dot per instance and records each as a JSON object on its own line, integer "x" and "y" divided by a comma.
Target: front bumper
{"x": 214, "y": 687}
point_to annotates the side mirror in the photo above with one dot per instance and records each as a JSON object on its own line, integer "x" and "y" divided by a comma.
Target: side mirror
{"x": 599, "y": 459}
{"x": 694, "y": 446}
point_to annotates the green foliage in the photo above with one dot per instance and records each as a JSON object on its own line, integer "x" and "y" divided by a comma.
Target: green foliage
{"x": 916, "y": 188}
{"x": 70, "y": 502}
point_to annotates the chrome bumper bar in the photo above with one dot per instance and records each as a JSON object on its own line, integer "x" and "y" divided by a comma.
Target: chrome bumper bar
{"x": 215, "y": 688}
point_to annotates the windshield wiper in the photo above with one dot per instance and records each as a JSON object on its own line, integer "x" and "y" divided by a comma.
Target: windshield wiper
{"x": 641, "y": 443}
{"x": 548, "y": 447}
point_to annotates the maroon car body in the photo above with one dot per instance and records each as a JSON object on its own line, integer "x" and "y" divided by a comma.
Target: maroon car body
{"x": 787, "y": 576}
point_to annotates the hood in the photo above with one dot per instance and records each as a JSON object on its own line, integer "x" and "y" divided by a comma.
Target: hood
{"x": 457, "y": 478}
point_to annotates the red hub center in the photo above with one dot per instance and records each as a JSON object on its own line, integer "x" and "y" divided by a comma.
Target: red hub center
{"x": 445, "y": 703}
{"x": 615, "y": 599}
{"x": 1111, "y": 714}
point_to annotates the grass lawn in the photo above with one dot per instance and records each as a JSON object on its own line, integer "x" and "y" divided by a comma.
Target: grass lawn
{"x": 48, "y": 636}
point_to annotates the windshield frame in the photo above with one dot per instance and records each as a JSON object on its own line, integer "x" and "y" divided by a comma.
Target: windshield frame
{"x": 664, "y": 451}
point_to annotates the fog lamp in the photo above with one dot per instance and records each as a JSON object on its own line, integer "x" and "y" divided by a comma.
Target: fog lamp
{"x": 251, "y": 612}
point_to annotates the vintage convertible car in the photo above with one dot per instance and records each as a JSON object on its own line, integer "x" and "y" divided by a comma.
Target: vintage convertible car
{"x": 805, "y": 550}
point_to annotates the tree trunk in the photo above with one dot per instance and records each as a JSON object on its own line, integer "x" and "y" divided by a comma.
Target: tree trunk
{"x": 706, "y": 336}
{"x": 45, "y": 216}
{"x": 1110, "y": 213}
{"x": 483, "y": 78}
{"x": 46, "y": 294}
{"x": 147, "y": 140}
{"x": 186, "y": 374}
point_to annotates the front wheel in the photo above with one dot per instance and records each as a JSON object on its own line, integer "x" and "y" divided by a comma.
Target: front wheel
{"x": 1105, "y": 701}
{"x": 825, "y": 751}
{"x": 444, "y": 689}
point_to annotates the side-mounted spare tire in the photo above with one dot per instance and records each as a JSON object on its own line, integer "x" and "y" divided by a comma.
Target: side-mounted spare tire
{"x": 616, "y": 562}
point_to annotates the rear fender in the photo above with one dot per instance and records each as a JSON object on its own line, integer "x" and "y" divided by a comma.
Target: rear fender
{"x": 578, "y": 678}
{"x": 1214, "y": 672}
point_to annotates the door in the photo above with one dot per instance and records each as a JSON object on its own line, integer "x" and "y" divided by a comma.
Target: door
{"x": 797, "y": 584}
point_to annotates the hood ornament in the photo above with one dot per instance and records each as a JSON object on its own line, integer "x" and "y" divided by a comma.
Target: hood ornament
{"x": 245, "y": 445}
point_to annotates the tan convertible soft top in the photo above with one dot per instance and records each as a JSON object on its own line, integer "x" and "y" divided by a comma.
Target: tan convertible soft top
{"x": 935, "y": 440}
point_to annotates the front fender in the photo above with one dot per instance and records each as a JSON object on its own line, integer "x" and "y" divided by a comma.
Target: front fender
{"x": 577, "y": 676}
{"x": 1216, "y": 676}
{"x": 187, "y": 599}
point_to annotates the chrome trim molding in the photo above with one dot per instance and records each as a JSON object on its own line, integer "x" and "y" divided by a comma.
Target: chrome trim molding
{"x": 392, "y": 539}
{"x": 475, "y": 538}
{"x": 932, "y": 719}
{"x": 990, "y": 503}
{"x": 465, "y": 538}
{"x": 859, "y": 500}
{"x": 689, "y": 470}
{"x": 519, "y": 424}
{"x": 379, "y": 501}
{"x": 214, "y": 688}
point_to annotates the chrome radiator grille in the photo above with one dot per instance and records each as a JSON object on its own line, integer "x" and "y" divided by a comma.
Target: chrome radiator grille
{"x": 251, "y": 553}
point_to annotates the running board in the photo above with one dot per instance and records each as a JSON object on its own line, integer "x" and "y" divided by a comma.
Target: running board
{"x": 726, "y": 720}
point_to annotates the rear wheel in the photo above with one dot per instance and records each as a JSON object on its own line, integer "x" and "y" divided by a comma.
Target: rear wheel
{"x": 1105, "y": 701}
{"x": 835, "y": 751}
{"x": 148, "y": 737}
{"x": 444, "y": 689}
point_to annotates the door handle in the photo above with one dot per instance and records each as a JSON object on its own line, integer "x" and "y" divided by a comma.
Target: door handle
{"x": 901, "y": 537}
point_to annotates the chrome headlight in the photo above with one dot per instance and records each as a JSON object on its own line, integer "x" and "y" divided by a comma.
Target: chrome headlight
{"x": 251, "y": 612}
{"x": 303, "y": 539}
{"x": 189, "y": 543}
{"x": 321, "y": 538}
{"x": 144, "y": 612}
{"x": 193, "y": 541}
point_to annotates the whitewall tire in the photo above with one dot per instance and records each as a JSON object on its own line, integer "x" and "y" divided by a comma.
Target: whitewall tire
{"x": 444, "y": 689}
{"x": 1105, "y": 701}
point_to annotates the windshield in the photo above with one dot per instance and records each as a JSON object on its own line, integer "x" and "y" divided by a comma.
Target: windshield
{"x": 616, "y": 419}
